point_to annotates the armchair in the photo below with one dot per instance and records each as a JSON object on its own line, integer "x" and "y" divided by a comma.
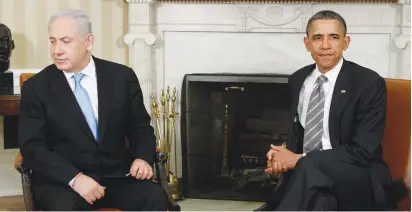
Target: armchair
{"x": 159, "y": 166}
{"x": 28, "y": 195}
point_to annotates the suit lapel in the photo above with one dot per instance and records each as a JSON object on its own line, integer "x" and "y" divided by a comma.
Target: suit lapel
{"x": 340, "y": 96}
{"x": 66, "y": 100}
{"x": 296, "y": 87}
{"x": 104, "y": 87}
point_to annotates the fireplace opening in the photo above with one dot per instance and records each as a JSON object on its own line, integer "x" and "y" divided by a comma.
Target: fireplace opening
{"x": 228, "y": 123}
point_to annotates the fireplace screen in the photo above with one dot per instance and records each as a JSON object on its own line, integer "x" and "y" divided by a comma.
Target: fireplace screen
{"x": 228, "y": 123}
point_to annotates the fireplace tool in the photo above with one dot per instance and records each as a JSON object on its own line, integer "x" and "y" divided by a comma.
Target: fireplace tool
{"x": 166, "y": 136}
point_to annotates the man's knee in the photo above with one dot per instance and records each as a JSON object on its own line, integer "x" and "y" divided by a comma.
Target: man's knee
{"x": 308, "y": 162}
{"x": 55, "y": 198}
{"x": 157, "y": 198}
{"x": 65, "y": 203}
{"x": 310, "y": 169}
{"x": 60, "y": 205}
{"x": 153, "y": 198}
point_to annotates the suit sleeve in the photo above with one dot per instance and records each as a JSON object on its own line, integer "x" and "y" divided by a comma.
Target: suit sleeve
{"x": 140, "y": 133}
{"x": 33, "y": 141}
{"x": 369, "y": 128}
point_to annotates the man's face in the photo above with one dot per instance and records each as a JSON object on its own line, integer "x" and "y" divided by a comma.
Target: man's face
{"x": 326, "y": 42}
{"x": 69, "y": 48}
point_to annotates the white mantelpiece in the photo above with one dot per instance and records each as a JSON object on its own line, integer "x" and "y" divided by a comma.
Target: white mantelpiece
{"x": 168, "y": 40}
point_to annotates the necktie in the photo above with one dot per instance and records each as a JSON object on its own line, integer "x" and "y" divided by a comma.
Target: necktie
{"x": 312, "y": 139}
{"x": 85, "y": 104}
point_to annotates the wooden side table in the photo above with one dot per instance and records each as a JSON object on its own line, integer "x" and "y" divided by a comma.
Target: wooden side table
{"x": 9, "y": 105}
{"x": 10, "y": 109}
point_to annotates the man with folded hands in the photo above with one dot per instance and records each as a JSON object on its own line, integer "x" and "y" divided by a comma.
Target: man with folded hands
{"x": 333, "y": 157}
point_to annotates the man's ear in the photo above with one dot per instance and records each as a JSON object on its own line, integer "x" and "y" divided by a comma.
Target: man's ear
{"x": 89, "y": 42}
{"x": 347, "y": 42}
{"x": 306, "y": 42}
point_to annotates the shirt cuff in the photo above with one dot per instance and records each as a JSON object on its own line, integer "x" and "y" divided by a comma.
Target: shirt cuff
{"x": 304, "y": 154}
{"x": 72, "y": 181}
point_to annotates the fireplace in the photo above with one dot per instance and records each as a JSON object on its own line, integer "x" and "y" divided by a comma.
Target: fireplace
{"x": 228, "y": 122}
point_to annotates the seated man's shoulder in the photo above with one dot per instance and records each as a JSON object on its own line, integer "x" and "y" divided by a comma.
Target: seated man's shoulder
{"x": 39, "y": 79}
{"x": 116, "y": 70}
{"x": 302, "y": 71}
{"x": 113, "y": 66}
{"x": 362, "y": 75}
{"x": 363, "y": 71}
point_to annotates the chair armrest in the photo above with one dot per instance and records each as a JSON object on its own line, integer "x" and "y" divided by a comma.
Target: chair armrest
{"x": 18, "y": 162}
{"x": 18, "y": 165}
{"x": 160, "y": 162}
{"x": 26, "y": 182}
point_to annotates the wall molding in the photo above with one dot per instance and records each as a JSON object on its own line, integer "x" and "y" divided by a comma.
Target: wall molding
{"x": 149, "y": 38}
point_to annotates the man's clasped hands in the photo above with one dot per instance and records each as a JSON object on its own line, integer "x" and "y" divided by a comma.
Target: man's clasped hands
{"x": 280, "y": 160}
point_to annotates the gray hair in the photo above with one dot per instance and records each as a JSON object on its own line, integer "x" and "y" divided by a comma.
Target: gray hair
{"x": 326, "y": 15}
{"x": 82, "y": 21}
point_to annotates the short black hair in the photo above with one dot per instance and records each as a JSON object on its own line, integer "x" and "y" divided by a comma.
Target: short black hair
{"x": 326, "y": 15}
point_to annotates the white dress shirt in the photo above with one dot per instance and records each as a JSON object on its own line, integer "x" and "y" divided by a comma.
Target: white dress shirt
{"x": 89, "y": 83}
{"x": 328, "y": 87}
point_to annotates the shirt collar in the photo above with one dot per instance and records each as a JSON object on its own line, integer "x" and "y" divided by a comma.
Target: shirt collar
{"x": 332, "y": 75}
{"x": 89, "y": 70}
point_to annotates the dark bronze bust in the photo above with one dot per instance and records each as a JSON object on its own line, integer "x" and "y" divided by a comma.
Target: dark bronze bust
{"x": 6, "y": 47}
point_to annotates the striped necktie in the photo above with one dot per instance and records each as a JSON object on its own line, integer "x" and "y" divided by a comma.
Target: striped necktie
{"x": 312, "y": 139}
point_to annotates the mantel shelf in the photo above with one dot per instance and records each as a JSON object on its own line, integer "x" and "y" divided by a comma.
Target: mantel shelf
{"x": 279, "y": 1}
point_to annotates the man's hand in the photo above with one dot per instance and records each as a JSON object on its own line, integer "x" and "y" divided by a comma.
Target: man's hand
{"x": 272, "y": 151}
{"x": 275, "y": 168}
{"x": 140, "y": 169}
{"x": 88, "y": 188}
{"x": 284, "y": 156}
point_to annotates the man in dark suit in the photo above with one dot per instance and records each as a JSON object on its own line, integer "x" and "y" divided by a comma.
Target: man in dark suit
{"x": 333, "y": 157}
{"x": 75, "y": 117}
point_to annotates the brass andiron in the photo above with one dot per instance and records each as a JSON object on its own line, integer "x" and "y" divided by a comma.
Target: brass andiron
{"x": 226, "y": 177}
{"x": 165, "y": 119}
{"x": 224, "y": 169}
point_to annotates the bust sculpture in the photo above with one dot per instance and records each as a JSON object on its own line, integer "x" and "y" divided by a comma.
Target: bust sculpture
{"x": 6, "y": 47}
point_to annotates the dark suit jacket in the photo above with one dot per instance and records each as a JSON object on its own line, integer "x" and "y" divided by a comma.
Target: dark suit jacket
{"x": 55, "y": 140}
{"x": 356, "y": 121}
